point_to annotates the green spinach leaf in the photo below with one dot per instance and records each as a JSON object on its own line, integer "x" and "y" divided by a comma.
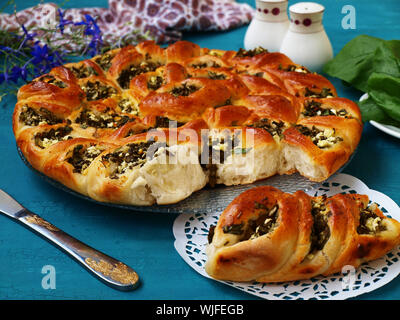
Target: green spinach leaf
{"x": 371, "y": 65}
{"x": 370, "y": 110}
{"x": 387, "y": 58}
{"x": 353, "y": 63}
{"x": 385, "y": 91}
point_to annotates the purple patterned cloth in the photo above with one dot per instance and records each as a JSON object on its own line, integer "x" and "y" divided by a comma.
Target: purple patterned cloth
{"x": 164, "y": 20}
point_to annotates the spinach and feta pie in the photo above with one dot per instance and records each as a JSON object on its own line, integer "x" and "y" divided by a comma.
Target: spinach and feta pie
{"x": 267, "y": 235}
{"x": 143, "y": 124}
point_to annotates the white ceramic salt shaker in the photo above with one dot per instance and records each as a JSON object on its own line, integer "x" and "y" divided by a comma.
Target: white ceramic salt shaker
{"x": 306, "y": 41}
{"x": 269, "y": 25}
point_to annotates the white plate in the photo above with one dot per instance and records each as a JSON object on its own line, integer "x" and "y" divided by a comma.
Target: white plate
{"x": 393, "y": 131}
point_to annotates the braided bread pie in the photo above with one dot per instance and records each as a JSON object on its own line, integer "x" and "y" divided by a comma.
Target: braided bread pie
{"x": 271, "y": 236}
{"x": 143, "y": 125}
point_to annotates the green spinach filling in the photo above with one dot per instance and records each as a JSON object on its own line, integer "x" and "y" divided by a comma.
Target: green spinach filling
{"x": 97, "y": 90}
{"x": 320, "y": 231}
{"x": 83, "y": 71}
{"x": 82, "y": 157}
{"x": 33, "y": 117}
{"x": 219, "y": 149}
{"x": 236, "y": 229}
{"x": 155, "y": 82}
{"x": 258, "y": 74}
{"x": 134, "y": 70}
{"x": 52, "y": 80}
{"x": 127, "y": 106}
{"x": 104, "y": 61}
{"x": 101, "y": 120}
{"x": 164, "y": 122}
{"x": 321, "y": 138}
{"x": 275, "y": 128}
{"x": 264, "y": 223}
{"x": 216, "y": 76}
{"x": 250, "y": 53}
{"x": 202, "y": 65}
{"x": 129, "y": 156}
{"x": 206, "y": 162}
{"x": 132, "y": 132}
{"x": 215, "y": 151}
{"x": 184, "y": 90}
{"x": 313, "y": 108}
{"x": 324, "y": 93}
{"x": 46, "y": 139}
{"x": 293, "y": 68}
{"x": 227, "y": 102}
{"x": 211, "y": 232}
{"x": 161, "y": 122}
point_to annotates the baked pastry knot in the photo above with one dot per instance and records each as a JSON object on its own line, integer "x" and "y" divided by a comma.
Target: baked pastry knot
{"x": 267, "y": 235}
{"x": 214, "y": 116}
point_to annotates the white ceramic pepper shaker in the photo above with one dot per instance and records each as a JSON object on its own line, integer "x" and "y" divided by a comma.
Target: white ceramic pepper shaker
{"x": 306, "y": 41}
{"x": 269, "y": 25}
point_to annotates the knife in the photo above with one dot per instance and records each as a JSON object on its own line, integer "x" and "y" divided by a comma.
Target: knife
{"x": 112, "y": 272}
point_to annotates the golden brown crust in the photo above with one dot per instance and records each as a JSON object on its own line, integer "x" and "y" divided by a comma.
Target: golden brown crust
{"x": 311, "y": 236}
{"x": 60, "y": 167}
{"x": 274, "y": 107}
{"x": 120, "y": 96}
{"x": 43, "y": 90}
{"x": 270, "y": 255}
{"x": 208, "y": 94}
{"x": 181, "y": 51}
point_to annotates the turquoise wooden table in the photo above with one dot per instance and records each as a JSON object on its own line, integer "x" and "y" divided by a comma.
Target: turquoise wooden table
{"x": 145, "y": 241}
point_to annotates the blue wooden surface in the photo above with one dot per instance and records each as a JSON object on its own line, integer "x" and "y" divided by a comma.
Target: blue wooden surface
{"x": 145, "y": 241}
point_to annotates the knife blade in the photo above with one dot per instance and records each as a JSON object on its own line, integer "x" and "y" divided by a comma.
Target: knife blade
{"x": 9, "y": 206}
{"x": 112, "y": 272}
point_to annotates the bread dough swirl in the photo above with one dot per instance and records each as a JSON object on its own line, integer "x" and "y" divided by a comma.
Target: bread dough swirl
{"x": 101, "y": 126}
{"x": 271, "y": 236}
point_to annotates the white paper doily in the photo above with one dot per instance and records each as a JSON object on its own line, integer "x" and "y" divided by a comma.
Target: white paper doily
{"x": 190, "y": 231}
